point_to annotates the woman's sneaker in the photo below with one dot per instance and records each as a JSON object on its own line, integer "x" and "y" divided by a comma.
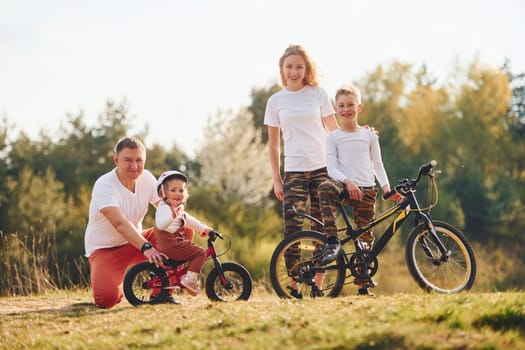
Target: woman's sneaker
{"x": 191, "y": 283}
{"x": 295, "y": 293}
{"x": 366, "y": 292}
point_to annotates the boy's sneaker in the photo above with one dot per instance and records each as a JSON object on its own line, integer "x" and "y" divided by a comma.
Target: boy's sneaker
{"x": 330, "y": 250}
{"x": 365, "y": 291}
{"x": 191, "y": 283}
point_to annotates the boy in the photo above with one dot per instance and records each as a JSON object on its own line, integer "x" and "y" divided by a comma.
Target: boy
{"x": 354, "y": 162}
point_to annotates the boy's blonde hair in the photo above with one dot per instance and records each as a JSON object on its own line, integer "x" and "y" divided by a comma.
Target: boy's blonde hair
{"x": 349, "y": 90}
{"x": 310, "y": 76}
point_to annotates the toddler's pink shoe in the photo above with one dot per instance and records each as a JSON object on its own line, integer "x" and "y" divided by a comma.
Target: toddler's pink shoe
{"x": 191, "y": 283}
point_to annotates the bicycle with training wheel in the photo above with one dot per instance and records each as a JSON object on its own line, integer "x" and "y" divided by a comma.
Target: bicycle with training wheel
{"x": 439, "y": 257}
{"x": 146, "y": 283}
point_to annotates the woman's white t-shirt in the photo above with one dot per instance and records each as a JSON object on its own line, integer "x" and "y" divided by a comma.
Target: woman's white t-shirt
{"x": 299, "y": 115}
{"x": 108, "y": 191}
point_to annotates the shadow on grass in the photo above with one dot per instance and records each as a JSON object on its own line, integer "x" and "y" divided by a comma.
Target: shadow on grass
{"x": 383, "y": 341}
{"x": 71, "y": 310}
{"x": 507, "y": 319}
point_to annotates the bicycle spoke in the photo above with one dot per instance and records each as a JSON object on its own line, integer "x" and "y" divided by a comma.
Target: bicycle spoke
{"x": 294, "y": 270}
{"x": 431, "y": 269}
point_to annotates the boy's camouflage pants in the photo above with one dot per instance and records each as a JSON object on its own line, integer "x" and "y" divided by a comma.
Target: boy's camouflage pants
{"x": 332, "y": 192}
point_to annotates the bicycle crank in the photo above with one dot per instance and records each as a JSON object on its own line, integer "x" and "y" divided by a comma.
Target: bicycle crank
{"x": 362, "y": 266}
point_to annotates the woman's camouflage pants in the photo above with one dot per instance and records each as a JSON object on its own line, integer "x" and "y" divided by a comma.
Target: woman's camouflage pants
{"x": 298, "y": 187}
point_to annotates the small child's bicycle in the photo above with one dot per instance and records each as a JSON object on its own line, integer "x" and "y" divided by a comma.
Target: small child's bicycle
{"x": 146, "y": 283}
{"x": 439, "y": 257}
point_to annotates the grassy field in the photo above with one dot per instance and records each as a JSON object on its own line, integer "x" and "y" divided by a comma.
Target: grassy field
{"x": 69, "y": 320}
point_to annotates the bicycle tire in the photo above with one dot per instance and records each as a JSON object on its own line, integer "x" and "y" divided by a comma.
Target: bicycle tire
{"x": 455, "y": 274}
{"x": 307, "y": 243}
{"x": 144, "y": 283}
{"x": 240, "y": 283}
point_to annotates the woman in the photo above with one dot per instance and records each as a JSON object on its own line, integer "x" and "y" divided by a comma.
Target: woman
{"x": 304, "y": 113}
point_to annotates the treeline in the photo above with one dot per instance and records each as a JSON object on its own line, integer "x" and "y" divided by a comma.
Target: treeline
{"x": 473, "y": 125}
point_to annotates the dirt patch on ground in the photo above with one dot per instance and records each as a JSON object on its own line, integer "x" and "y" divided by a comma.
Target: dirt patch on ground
{"x": 22, "y": 305}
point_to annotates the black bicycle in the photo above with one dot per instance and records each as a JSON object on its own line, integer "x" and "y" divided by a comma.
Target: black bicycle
{"x": 439, "y": 257}
{"x": 145, "y": 283}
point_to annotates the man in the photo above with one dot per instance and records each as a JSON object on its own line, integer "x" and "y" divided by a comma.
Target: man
{"x": 114, "y": 239}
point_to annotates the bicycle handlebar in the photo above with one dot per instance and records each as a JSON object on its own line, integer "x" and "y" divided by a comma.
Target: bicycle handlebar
{"x": 405, "y": 185}
{"x": 214, "y": 234}
{"x": 389, "y": 194}
{"x": 426, "y": 169}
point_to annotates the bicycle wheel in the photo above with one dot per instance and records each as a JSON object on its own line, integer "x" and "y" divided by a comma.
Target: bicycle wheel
{"x": 289, "y": 271}
{"x": 431, "y": 270}
{"x": 144, "y": 283}
{"x": 238, "y": 287}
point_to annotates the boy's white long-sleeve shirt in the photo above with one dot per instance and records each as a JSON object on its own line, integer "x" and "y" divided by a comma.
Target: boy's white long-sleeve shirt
{"x": 172, "y": 221}
{"x": 355, "y": 155}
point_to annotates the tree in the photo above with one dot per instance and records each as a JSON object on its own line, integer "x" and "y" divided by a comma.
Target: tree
{"x": 5, "y": 129}
{"x": 515, "y": 122}
{"x": 513, "y": 211}
{"x": 234, "y": 181}
{"x": 383, "y": 95}
{"x": 258, "y": 107}
{"x": 93, "y": 147}
{"x": 234, "y": 161}
{"x": 37, "y": 203}
{"x": 478, "y": 161}
{"x": 422, "y": 115}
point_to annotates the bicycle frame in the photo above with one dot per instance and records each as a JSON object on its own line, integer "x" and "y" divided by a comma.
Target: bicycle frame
{"x": 175, "y": 271}
{"x": 403, "y": 210}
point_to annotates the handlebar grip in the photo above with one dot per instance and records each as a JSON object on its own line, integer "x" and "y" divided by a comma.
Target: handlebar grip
{"x": 425, "y": 169}
{"x": 389, "y": 194}
{"x": 214, "y": 234}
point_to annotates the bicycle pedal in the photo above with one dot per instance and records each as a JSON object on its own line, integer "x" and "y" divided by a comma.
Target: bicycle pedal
{"x": 370, "y": 284}
{"x": 365, "y": 283}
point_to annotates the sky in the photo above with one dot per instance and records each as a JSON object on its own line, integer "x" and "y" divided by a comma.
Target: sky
{"x": 178, "y": 63}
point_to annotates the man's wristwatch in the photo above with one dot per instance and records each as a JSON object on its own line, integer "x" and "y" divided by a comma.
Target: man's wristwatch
{"x": 146, "y": 246}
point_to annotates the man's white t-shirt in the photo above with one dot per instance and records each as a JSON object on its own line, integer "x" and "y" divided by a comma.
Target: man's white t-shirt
{"x": 108, "y": 191}
{"x": 299, "y": 115}
{"x": 355, "y": 155}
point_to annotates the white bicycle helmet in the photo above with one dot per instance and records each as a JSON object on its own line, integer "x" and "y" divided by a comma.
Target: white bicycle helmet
{"x": 168, "y": 175}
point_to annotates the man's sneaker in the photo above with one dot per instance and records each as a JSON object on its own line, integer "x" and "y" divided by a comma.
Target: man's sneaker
{"x": 191, "y": 283}
{"x": 330, "y": 252}
{"x": 171, "y": 300}
{"x": 295, "y": 293}
{"x": 365, "y": 291}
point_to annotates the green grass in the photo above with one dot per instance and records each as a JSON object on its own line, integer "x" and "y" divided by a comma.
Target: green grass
{"x": 69, "y": 320}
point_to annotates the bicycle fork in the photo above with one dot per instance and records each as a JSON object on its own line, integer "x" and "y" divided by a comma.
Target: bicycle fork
{"x": 224, "y": 281}
{"x": 445, "y": 254}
